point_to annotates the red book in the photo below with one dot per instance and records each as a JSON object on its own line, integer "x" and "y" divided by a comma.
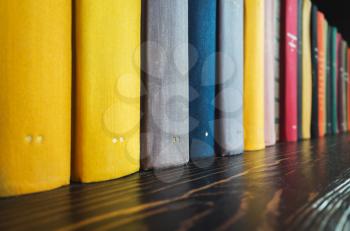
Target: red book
{"x": 289, "y": 68}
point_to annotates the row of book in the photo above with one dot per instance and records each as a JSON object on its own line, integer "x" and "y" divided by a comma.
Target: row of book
{"x": 95, "y": 90}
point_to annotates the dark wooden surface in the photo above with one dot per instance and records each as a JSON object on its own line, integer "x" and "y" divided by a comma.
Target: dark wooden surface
{"x": 295, "y": 186}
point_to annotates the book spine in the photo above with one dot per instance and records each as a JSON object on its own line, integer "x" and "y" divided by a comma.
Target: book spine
{"x": 277, "y": 23}
{"x": 348, "y": 97}
{"x": 253, "y": 95}
{"x": 289, "y": 75}
{"x": 334, "y": 70}
{"x": 314, "y": 38}
{"x": 300, "y": 69}
{"x": 340, "y": 76}
{"x": 269, "y": 75}
{"x": 346, "y": 80}
{"x": 107, "y": 100}
{"x": 202, "y": 79}
{"x": 343, "y": 87}
{"x": 35, "y": 99}
{"x": 328, "y": 36}
{"x": 229, "y": 96}
{"x": 165, "y": 98}
{"x": 306, "y": 71}
{"x": 321, "y": 74}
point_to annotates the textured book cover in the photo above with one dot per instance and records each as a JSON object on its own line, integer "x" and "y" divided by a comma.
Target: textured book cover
{"x": 202, "y": 53}
{"x": 289, "y": 71}
{"x": 229, "y": 97}
{"x": 348, "y": 72}
{"x": 346, "y": 80}
{"x": 314, "y": 59}
{"x": 306, "y": 71}
{"x": 321, "y": 76}
{"x": 325, "y": 69}
{"x": 341, "y": 87}
{"x": 269, "y": 75}
{"x": 253, "y": 95}
{"x": 328, "y": 35}
{"x": 334, "y": 82}
{"x": 35, "y": 100}
{"x": 165, "y": 100}
{"x": 339, "y": 73}
{"x": 277, "y": 24}
{"x": 300, "y": 68}
{"x": 107, "y": 88}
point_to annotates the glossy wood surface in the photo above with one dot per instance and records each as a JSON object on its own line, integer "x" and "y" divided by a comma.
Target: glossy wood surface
{"x": 290, "y": 186}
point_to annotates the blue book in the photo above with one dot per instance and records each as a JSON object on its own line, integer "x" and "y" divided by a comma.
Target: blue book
{"x": 202, "y": 39}
{"x": 229, "y": 96}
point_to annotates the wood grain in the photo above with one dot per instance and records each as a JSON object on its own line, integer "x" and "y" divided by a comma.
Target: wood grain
{"x": 290, "y": 186}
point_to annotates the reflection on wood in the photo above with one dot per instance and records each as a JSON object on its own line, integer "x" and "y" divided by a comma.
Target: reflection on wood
{"x": 296, "y": 186}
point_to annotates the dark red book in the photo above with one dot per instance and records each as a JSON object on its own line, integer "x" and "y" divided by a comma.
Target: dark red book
{"x": 289, "y": 74}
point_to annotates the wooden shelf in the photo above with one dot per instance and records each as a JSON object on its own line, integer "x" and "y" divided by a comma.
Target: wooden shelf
{"x": 298, "y": 186}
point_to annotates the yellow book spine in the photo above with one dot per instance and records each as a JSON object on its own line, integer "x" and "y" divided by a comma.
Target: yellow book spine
{"x": 253, "y": 111}
{"x": 107, "y": 131}
{"x": 306, "y": 71}
{"x": 35, "y": 99}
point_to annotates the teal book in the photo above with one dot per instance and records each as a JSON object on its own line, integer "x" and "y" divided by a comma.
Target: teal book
{"x": 333, "y": 80}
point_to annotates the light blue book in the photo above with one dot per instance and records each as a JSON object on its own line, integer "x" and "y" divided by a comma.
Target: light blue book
{"x": 229, "y": 96}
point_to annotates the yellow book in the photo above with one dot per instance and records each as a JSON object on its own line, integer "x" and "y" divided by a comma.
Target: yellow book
{"x": 107, "y": 130}
{"x": 306, "y": 71}
{"x": 253, "y": 111}
{"x": 35, "y": 99}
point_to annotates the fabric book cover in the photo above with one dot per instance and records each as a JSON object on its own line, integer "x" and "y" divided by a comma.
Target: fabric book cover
{"x": 300, "y": 68}
{"x": 346, "y": 84}
{"x": 328, "y": 35}
{"x": 289, "y": 72}
{"x": 253, "y": 95}
{"x": 202, "y": 79}
{"x": 107, "y": 89}
{"x": 165, "y": 97}
{"x": 35, "y": 99}
{"x": 321, "y": 74}
{"x": 306, "y": 71}
{"x": 339, "y": 74}
{"x": 333, "y": 81}
{"x": 348, "y": 72}
{"x": 341, "y": 86}
{"x": 229, "y": 95}
{"x": 269, "y": 75}
{"x": 277, "y": 24}
{"x": 314, "y": 59}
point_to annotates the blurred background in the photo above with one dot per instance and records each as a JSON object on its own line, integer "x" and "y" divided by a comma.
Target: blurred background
{"x": 338, "y": 14}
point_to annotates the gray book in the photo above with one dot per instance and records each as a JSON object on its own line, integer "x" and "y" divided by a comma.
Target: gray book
{"x": 277, "y": 14}
{"x": 229, "y": 96}
{"x": 165, "y": 93}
